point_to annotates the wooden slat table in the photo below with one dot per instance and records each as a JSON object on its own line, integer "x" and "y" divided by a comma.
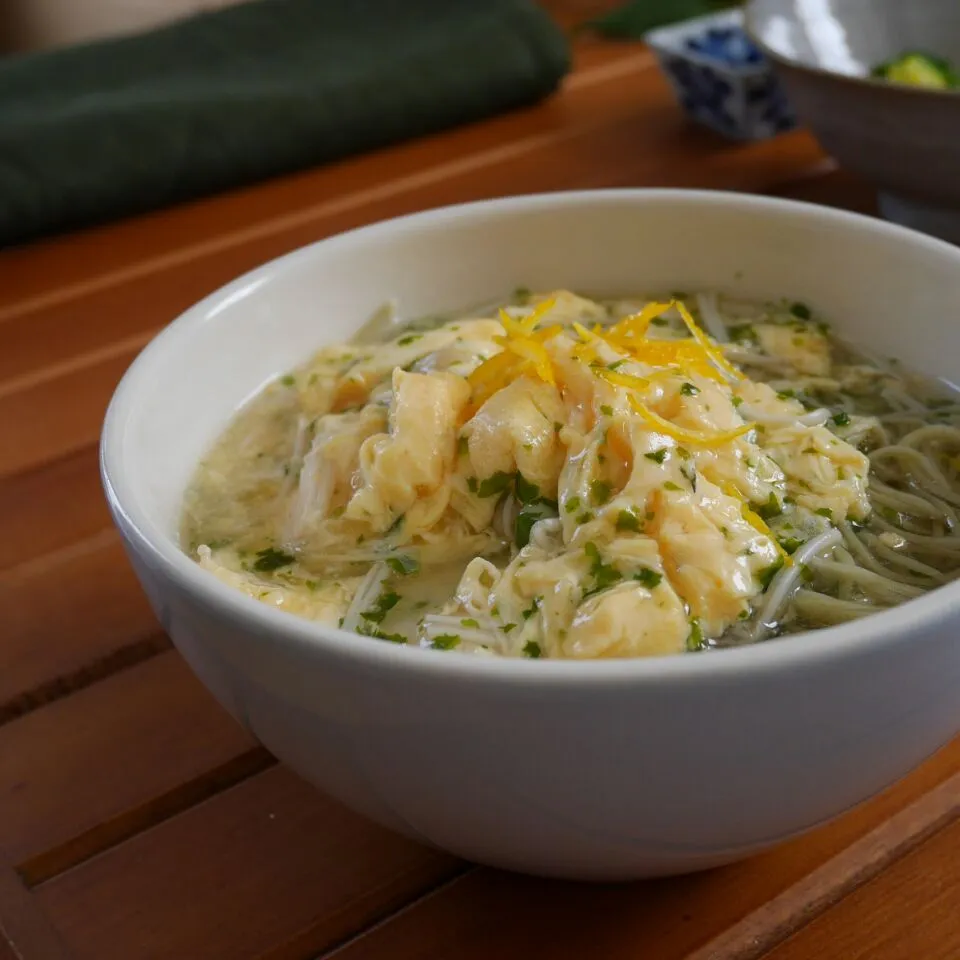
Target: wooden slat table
{"x": 138, "y": 821}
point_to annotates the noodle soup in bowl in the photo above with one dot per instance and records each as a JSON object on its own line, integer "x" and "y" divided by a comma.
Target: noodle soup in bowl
{"x": 553, "y": 645}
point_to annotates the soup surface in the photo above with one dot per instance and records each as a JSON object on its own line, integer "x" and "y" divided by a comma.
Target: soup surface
{"x": 563, "y": 477}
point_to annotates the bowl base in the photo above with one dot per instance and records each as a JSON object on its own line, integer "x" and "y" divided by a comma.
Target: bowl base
{"x": 938, "y": 221}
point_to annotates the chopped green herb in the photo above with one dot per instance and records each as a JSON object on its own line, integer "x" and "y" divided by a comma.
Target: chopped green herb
{"x": 787, "y": 394}
{"x": 670, "y": 485}
{"x": 616, "y": 364}
{"x": 800, "y": 310}
{"x": 791, "y": 544}
{"x": 403, "y": 565}
{"x": 495, "y": 484}
{"x": 507, "y": 627}
{"x": 658, "y": 456}
{"x": 604, "y": 574}
{"x": 572, "y": 505}
{"x": 531, "y": 649}
{"x": 395, "y": 526}
{"x": 824, "y": 512}
{"x": 288, "y": 380}
{"x": 470, "y": 622}
{"x": 531, "y": 610}
{"x": 648, "y": 578}
{"x": 557, "y": 426}
{"x": 689, "y": 390}
{"x": 628, "y": 520}
{"x": 312, "y": 585}
{"x": 463, "y": 446}
{"x": 381, "y": 607}
{"x": 446, "y": 641}
{"x": 522, "y": 296}
{"x": 585, "y": 517}
{"x": 530, "y": 514}
{"x": 606, "y": 409}
{"x": 271, "y": 559}
{"x": 743, "y": 333}
{"x": 660, "y": 321}
{"x": 841, "y": 419}
{"x": 683, "y": 453}
{"x": 736, "y": 401}
{"x": 599, "y": 492}
{"x": 695, "y": 637}
{"x": 768, "y": 573}
{"x": 806, "y": 574}
{"x": 410, "y": 338}
{"x": 526, "y": 492}
{"x": 772, "y": 508}
{"x": 472, "y": 484}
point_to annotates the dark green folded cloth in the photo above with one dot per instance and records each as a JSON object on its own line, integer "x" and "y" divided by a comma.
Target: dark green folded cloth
{"x": 108, "y": 129}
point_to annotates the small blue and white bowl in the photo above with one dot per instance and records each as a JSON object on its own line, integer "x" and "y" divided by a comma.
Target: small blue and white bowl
{"x": 721, "y": 79}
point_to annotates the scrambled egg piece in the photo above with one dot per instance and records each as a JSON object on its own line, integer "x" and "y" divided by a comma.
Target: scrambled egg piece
{"x": 805, "y": 349}
{"x": 403, "y": 471}
{"x": 515, "y": 430}
{"x": 324, "y": 602}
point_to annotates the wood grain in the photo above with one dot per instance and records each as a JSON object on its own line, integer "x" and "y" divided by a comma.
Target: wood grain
{"x": 50, "y": 508}
{"x": 910, "y": 911}
{"x": 66, "y": 614}
{"x": 661, "y": 920}
{"x": 109, "y": 748}
{"x": 269, "y": 869}
{"x": 25, "y": 933}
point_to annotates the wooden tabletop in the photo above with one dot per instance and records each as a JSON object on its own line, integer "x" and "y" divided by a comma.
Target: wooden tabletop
{"x": 138, "y": 821}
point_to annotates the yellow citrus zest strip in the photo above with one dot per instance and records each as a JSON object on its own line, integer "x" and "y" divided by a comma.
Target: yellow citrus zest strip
{"x": 636, "y": 324}
{"x": 536, "y": 354}
{"x": 709, "y": 347}
{"x": 755, "y": 520}
{"x": 522, "y": 348}
{"x": 495, "y": 368}
{"x": 517, "y": 328}
{"x": 758, "y": 524}
{"x": 623, "y": 379}
{"x": 687, "y": 436}
{"x": 583, "y": 333}
{"x": 546, "y": 333}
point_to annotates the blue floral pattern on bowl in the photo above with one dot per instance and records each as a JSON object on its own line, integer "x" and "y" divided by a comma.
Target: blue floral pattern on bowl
{"x": 720, "y": 78}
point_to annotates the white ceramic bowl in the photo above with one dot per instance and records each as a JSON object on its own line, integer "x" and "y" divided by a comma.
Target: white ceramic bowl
{"x": 609, "y": 769}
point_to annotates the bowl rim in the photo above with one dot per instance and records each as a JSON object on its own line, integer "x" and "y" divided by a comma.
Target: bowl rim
{"x": 900, "y": 624}
{"x": 868, "y": 81}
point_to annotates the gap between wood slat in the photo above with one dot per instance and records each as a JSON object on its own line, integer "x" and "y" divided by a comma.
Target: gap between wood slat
{"x": 22, "y": 922}
{"x": 784, "y": 915}
{"x": 114, "y": 662}
{"x": 299, "y": 946}
{"x": 384, "y": 921}
{"x": 112, "y": 832}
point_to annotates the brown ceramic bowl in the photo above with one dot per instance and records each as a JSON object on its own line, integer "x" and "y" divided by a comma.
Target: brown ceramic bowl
{"x": 904, "y": 139}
